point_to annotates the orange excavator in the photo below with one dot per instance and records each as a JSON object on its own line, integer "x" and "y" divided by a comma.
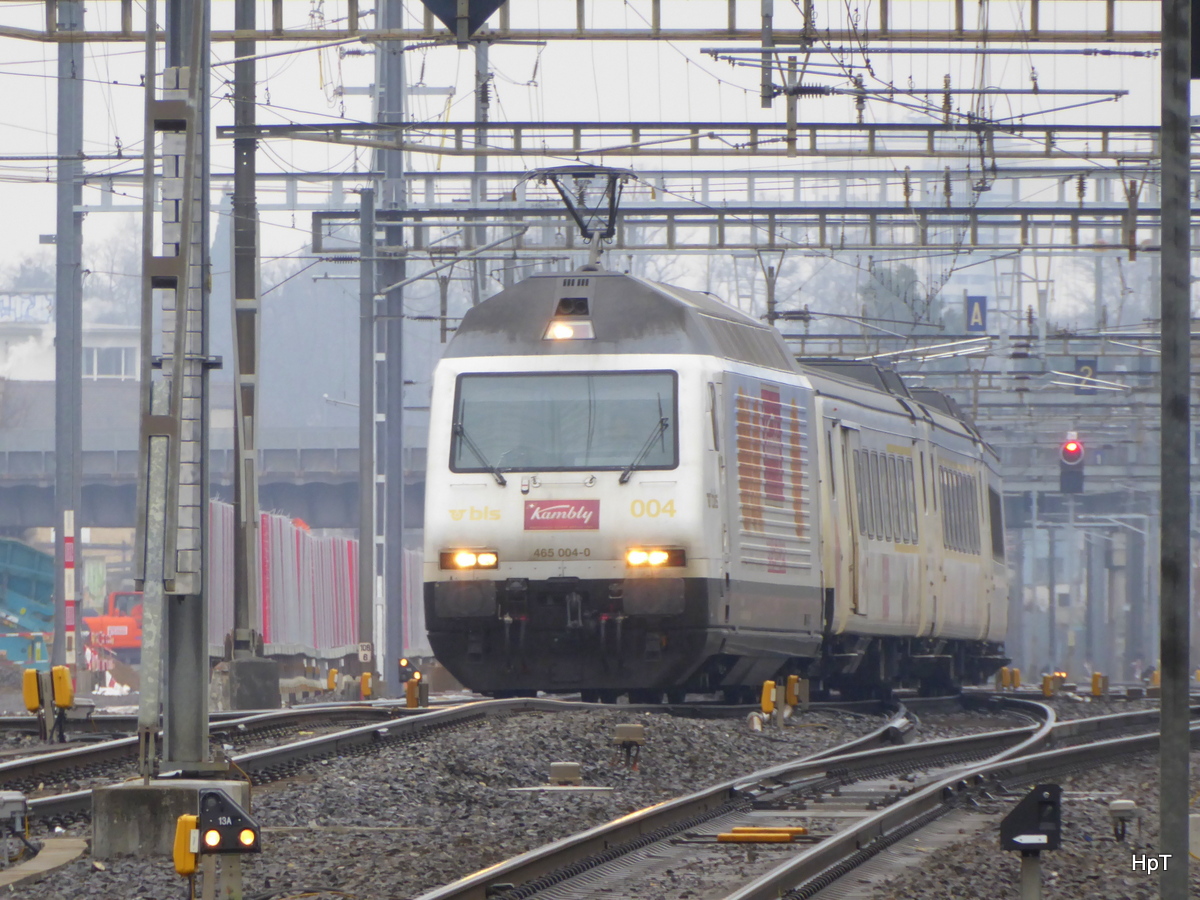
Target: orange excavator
{"x": 119, "y": 628}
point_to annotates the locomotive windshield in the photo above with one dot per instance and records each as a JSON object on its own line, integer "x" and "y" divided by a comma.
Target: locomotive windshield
{"x": 558, "y": 421}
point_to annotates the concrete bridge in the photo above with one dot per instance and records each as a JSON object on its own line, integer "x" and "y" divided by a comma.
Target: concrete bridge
{"x": 310, "y": 473}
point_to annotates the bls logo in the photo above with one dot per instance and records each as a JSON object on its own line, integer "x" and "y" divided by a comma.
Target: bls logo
{"x": 487, "y": 514}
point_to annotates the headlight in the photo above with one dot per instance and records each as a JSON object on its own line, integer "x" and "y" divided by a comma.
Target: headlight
{"x": 468, "y": 559}
{"x": 655, "y": 557}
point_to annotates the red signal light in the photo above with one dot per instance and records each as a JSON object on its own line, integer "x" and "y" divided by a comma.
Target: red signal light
{"x": 1072, "y": 452}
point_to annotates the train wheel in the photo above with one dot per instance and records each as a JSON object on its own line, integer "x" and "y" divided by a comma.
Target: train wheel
{"x": 589, "y": 696}
{"x": 676, "y": 697}
{"x": 645, "y": 696}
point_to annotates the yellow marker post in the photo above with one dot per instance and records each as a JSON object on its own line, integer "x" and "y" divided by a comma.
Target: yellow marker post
{"x": 364, "y": 685}
{"x": 412, "y": 693}
{"x": 793, "y": 690}
{"x": 31, "y": 691}
{"x": 1048, "y": 685}
{"x": 768, "y": 697}
{"x": 331, "y": 680}
{"x": 187, "y": 844}
{"x": 1016, "y": 679}
{"x": 62, "y": 691}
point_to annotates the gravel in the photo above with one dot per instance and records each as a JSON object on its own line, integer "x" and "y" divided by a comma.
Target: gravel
{"x": 421, "y": 814}
{"x": 1089, "y": 865}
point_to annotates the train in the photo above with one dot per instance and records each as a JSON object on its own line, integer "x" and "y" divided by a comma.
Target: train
{"x": 306, "y": 604}
{"x": 633, "y": 488}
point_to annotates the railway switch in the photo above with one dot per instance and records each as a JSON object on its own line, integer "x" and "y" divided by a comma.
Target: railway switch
{"x": 630, "y": 739}
{"x": 1121, "y": 813}
{"x": 224, "y": 826}
{"x": 564, "y": 773}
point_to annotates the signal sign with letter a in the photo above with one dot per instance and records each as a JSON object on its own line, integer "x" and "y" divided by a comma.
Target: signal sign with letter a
{"x": 976, "y": 314}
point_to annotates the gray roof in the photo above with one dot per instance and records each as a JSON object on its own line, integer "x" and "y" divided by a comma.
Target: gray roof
{"x": 628, "y": 315}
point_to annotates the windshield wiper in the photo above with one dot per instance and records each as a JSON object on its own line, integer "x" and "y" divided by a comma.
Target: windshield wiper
{"x": 462, "y": 433}
{"x": 660, "y": 428}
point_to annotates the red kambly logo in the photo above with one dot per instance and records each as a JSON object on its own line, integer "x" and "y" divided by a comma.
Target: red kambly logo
{"x": 562, "y": 515}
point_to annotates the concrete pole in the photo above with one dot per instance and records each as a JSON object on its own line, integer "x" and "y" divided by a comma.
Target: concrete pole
{"x": 1052, "y": 606}
{"x": 185, "y": 707}
{"x": 366, "y": 418}
{"x": 1175, "y": 520}
{"x": 392, "y": 107}
{"x": 1135, "y": 599}
{"x": 1015, "y": 638}
{"x": 246, "y": 339}
{"x": 68, "y": 318}
{"x": 768, "y": 59}
{"x": 483, "y": 93}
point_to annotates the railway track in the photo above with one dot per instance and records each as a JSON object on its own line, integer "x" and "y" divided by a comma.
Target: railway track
{"x": 864, "y": 797}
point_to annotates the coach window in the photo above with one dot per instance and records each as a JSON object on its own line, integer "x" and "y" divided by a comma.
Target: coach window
{"x": 883, "y": 528}
{"x": 973, "y": 493}
{"x": 712, "y": 414}
{"x": 832, "y": 467}
{"x": 964, "y": 502}
{"x": 941, "y": 478}
{"x": 964, "y": 511}
{"x": 859, "y": 492}
{"x": 904, "y": 498}
{"x": 864, "y": 479}
{"x": 996, "y": 514}
{"x": 899, "y": 516}
{"x": 912, "y": 507}
{"x": 876, "y": 508}
{"x": 948, "y": 509}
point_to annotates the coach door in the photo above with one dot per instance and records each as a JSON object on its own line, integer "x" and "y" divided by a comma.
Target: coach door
{"x": 850, "y": 513}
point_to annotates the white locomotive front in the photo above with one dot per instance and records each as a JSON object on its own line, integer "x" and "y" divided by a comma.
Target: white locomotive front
{"x": 627, "y": 491}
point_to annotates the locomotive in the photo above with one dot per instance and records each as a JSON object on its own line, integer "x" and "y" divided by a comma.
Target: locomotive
{"x": 634, "y": 488}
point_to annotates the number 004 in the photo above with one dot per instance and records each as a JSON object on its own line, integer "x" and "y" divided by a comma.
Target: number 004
{"x": 651, "y": 508}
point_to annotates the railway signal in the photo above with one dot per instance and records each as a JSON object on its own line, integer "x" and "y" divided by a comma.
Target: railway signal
{"x": 1034, "y": 825}
{"x": 224, "y": 826}
{"x": 1071, "y": 465}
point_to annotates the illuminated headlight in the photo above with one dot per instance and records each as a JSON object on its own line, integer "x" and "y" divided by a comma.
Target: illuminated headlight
{"x": 468, "y": 559}
{"x": 569, "y": 330}
{"x": 655, "y": 557}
